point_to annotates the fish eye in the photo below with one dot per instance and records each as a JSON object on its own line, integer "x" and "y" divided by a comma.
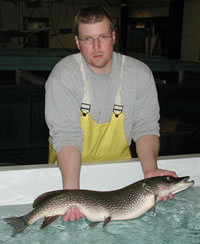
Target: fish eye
{"x": 144, "y": 184}
{"x": 168, "y": 178}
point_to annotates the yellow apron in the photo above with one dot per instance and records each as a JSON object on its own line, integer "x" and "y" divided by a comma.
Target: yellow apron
{"x": 101, "y": 142}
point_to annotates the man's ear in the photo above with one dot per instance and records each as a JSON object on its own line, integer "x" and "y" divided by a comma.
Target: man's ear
{"x": 113, "y": 37}
{"x": 77, "y": 42}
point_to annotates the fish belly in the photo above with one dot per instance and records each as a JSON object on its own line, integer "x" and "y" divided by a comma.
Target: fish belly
{"x": 134, "y": 212}
{"x": 95, "y": 214}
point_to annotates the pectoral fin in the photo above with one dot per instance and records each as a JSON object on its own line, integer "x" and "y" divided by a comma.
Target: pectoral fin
{"x": 48, "y": 220}
{"x": 154, "y": 207}
{"x": 106, "y": 221}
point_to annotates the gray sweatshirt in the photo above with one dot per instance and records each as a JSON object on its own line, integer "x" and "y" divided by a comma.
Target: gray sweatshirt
{"x": 65, "y": 91}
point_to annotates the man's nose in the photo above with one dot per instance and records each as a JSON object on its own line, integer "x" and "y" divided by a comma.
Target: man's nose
{"x": 96, "y": 43}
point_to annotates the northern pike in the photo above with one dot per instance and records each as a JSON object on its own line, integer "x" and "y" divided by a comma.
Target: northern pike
{"x": 126, "y": 203}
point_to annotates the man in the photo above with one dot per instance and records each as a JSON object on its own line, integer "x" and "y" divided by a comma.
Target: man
{"x": 117, "y": 98}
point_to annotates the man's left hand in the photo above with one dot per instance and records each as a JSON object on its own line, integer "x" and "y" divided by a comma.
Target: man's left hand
{"x": 161, "y": 172}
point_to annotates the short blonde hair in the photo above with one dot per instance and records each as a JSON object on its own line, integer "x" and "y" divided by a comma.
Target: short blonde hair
{"x": 92, "y": 15}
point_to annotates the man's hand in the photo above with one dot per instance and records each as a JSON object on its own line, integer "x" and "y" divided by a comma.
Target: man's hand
{"x": 72, "y": 215}
{"x": 161, "y": 172}
{"x": 69, "y": 161}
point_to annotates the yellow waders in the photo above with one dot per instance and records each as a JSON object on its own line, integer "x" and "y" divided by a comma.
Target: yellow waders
{"x": 102, "y": 142}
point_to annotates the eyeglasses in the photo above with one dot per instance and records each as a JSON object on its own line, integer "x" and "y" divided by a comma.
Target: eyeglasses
{"x": 90, "y": 40}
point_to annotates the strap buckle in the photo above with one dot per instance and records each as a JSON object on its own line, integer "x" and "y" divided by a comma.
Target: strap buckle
{"x": 117, "y": 110}
{"x": 85, "y": 108}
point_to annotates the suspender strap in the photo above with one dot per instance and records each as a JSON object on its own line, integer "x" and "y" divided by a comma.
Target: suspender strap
{"x": 118, "y": 107}
{"x": 86, "y": 103}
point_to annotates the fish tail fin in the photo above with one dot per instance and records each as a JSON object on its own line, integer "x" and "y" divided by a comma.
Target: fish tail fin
{"x": 17, "y": 223}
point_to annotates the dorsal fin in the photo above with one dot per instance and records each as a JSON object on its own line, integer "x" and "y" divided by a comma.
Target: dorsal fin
{"x": 44, "y": 196}
{"x": 48, "y": 220}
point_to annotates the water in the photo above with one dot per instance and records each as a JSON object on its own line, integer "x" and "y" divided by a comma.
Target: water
{"x": 174, "y": 222}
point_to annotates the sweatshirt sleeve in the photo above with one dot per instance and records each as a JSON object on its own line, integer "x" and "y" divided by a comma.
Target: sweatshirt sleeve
{"x": 147, "y": 112}
{"x": 62, "y": 105}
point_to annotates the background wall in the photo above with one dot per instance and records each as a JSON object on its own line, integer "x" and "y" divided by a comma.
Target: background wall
{"x": 191, "y": 31}
{"x": 61, "y": 15}
{"x": 149, "y": 10}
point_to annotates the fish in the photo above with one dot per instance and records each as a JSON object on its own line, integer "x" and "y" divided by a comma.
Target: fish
{"x": 125, "y": 203}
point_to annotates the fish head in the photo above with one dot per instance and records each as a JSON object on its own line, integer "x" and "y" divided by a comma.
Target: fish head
{"x": 164, "y": 185}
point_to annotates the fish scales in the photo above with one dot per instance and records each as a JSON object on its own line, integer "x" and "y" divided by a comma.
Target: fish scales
{"x": 95, "y": 205}
{"x": 129, "y": 202}
{"x": 119, "y": 200}
{"x": 127, "y": 197}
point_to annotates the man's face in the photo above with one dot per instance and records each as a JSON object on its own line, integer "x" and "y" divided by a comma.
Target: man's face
{"x": 97, "y": 53}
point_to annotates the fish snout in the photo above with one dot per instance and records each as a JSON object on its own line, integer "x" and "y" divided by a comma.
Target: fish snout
{"x": 185, "y": 180}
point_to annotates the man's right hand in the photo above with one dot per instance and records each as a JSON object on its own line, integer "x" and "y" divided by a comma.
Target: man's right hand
{"x": 72, "y": 215}
{"x": 69, "y": 162}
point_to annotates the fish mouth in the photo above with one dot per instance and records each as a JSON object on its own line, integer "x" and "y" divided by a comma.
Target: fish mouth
{"x": 185, "y": 179}
{"x": 182, "y": 183}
